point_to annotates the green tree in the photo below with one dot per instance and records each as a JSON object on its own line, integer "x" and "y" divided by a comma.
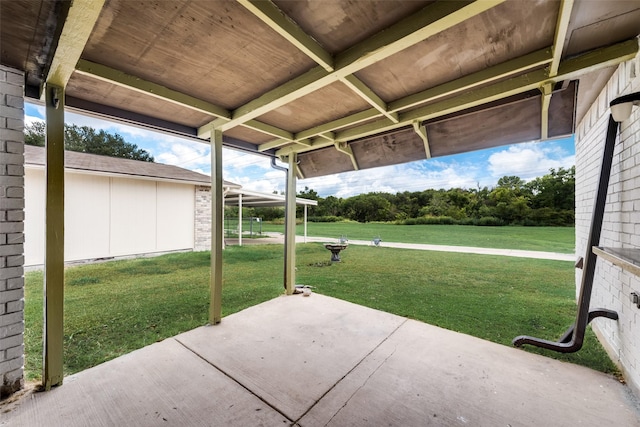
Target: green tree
{"x": 368, "y": 207}
{"x": 329, "y": 206}
{"x": 555, "y": 190}
{"x": 310, "y": 194}
{"x": 85, "y": 139}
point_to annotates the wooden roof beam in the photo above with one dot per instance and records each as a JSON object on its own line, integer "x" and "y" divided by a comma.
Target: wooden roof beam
{"x": 81, "y": 18}
{"x": 122, "y": 79}
{"x": 324, "y": 129}
{"x": 488, "y": 75}
{"x": 431, "y": 20}
{"x": 568, "y": 70}
{"x": 362, "y": 90}
{"x": 500, "y": 71}
{"x": 547, "y": 91}
{"x": 562, "y": 26}
{"x": 344, "y": 148}
{"x": 268, "y": 129}
{"x": 421, "y": 131}
{"x": 278, "y": 21}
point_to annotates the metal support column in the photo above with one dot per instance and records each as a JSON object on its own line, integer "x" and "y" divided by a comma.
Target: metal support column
{"x": 305, "y": 223}
{"x": 290, "y": 227}
{"x": 54, "y": 239}
{"x": 240, "y": 219}
{"x": 217, "y": 228}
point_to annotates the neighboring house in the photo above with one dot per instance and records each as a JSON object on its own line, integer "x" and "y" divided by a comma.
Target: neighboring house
{"x": 115, "y": 207}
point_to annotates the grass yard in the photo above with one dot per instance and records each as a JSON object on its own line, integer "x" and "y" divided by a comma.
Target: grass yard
{"x": 113, "y": 308}
{"x": 551, "y": 239}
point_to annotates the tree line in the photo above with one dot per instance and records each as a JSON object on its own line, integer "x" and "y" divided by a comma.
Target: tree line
{"x": 85, "y": 139}
{"x": 548, "y": 200}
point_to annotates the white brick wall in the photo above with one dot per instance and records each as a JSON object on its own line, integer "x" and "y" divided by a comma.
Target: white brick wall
{"x": 11, "y": 231}
{"x": 621, "y": 226}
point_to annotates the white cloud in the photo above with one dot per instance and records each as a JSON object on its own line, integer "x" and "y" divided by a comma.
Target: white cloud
{"x": 184, "y": 154}
{"x": 529, "y": 160}
{"x": 416, "y": 176}
{"x": 254, "y": 172}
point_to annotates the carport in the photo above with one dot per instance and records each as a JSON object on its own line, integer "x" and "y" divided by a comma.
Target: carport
{"x": 327, "y": 87}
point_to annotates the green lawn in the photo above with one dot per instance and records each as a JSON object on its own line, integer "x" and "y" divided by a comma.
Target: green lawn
{"x": 113, "y": 308}
{"x": 552, "y": 239}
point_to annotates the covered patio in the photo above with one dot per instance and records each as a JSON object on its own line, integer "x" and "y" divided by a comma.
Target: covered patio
{"x": 319, "y": 361}
{"x": 325, "y": 87}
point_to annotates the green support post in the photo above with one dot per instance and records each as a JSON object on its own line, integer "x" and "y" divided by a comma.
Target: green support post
{"x": 290, "y": 227}
{"x": 217, "y": 228}
{"x": 54, "y": 239}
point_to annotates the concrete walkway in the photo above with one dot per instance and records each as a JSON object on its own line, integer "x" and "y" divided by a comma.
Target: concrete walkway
{"x": 320, "y": 361}
{"x": 445, "y": 248}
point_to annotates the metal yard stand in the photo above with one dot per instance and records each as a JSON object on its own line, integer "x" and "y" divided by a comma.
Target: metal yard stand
{"x": 573, "y": 338}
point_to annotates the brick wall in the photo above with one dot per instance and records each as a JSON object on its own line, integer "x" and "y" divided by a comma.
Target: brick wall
{"x": 202, "y": 233}
{"x": 621, "y": 226}
{"x": 11, "y": 231}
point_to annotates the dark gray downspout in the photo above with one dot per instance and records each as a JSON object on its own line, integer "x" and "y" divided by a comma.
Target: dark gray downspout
{"x": 286, "y": 246}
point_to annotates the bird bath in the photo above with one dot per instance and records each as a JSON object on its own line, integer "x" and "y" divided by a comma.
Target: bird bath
{"x": 335, "y": 249}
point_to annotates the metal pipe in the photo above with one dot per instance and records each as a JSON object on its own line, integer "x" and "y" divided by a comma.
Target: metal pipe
{"x": 584, "y": 316}
{"x": 286, "y": 188}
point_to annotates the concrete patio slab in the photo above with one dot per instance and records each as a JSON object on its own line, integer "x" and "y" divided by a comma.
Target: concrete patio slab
{"x": 291, "y": 350}
{"x": 319, "y": 361}
{"x": 162, "y": 384}
{"x": 425, "y": 375}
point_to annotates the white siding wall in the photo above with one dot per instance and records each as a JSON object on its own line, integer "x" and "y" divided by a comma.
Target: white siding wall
{"x": 133, "y": 216}
{"x": 176, "y": 216}
{"x": 87, "y": 206}
{"x": 621, "y": 227}
{"x": 33, "y": 216}
{"x": 111, "y": 216}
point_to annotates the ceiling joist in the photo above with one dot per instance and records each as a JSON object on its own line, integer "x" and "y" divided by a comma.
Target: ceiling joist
{"x": 269, "y": 13}
{"x": 120, "y": 78}
{"x": 488, "y": 75}
{"x": 77, "y": 28}
{"x": 500, "y": 71}
{"x": 568, "y": 70}
{"x": 564, "y": 15}
{"x": 431, "y": 20}
{"x": 344, "y": 148}
{"x": 547, "y": 92}
{"x": 422, "y": 133}
{"x": 356, "y": 85}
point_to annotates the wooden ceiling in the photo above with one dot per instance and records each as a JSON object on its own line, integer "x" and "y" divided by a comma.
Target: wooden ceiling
{"x": 346, "y": 85}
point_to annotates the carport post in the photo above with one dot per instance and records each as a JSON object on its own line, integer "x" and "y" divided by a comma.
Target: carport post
{"x": 217, "y": 205}
{"x": 54, "y": 238}
{"x": 240, "y": 220}
{"x": 305, "y": 223}
{"x": 290, "y": 227}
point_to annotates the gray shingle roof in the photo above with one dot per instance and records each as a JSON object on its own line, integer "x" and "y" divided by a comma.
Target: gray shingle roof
{"x": 105, "y": 164}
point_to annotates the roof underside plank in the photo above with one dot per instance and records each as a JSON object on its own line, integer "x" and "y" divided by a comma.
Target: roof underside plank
{"x": 346, "y": 85}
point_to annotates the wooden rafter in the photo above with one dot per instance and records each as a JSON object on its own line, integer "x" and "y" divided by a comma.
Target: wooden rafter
{"x": 344, "y": 148}
{"x": 77, "y": 28}
{"x": 120, "y": 78}
{"x": 568, "y": 70}
{"x": 271, "y": 15}
{"x": 431, "y": 20}
{"x": 500, "y": 71}
{"x": 366, "y": 93}
{"x": 562, "y": 26}
{"x": 421, "y": 131}
{"x": 547, "y": 91}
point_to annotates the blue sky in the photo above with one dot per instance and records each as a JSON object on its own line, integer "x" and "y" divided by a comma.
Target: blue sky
{"x": 253, "y": 172}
